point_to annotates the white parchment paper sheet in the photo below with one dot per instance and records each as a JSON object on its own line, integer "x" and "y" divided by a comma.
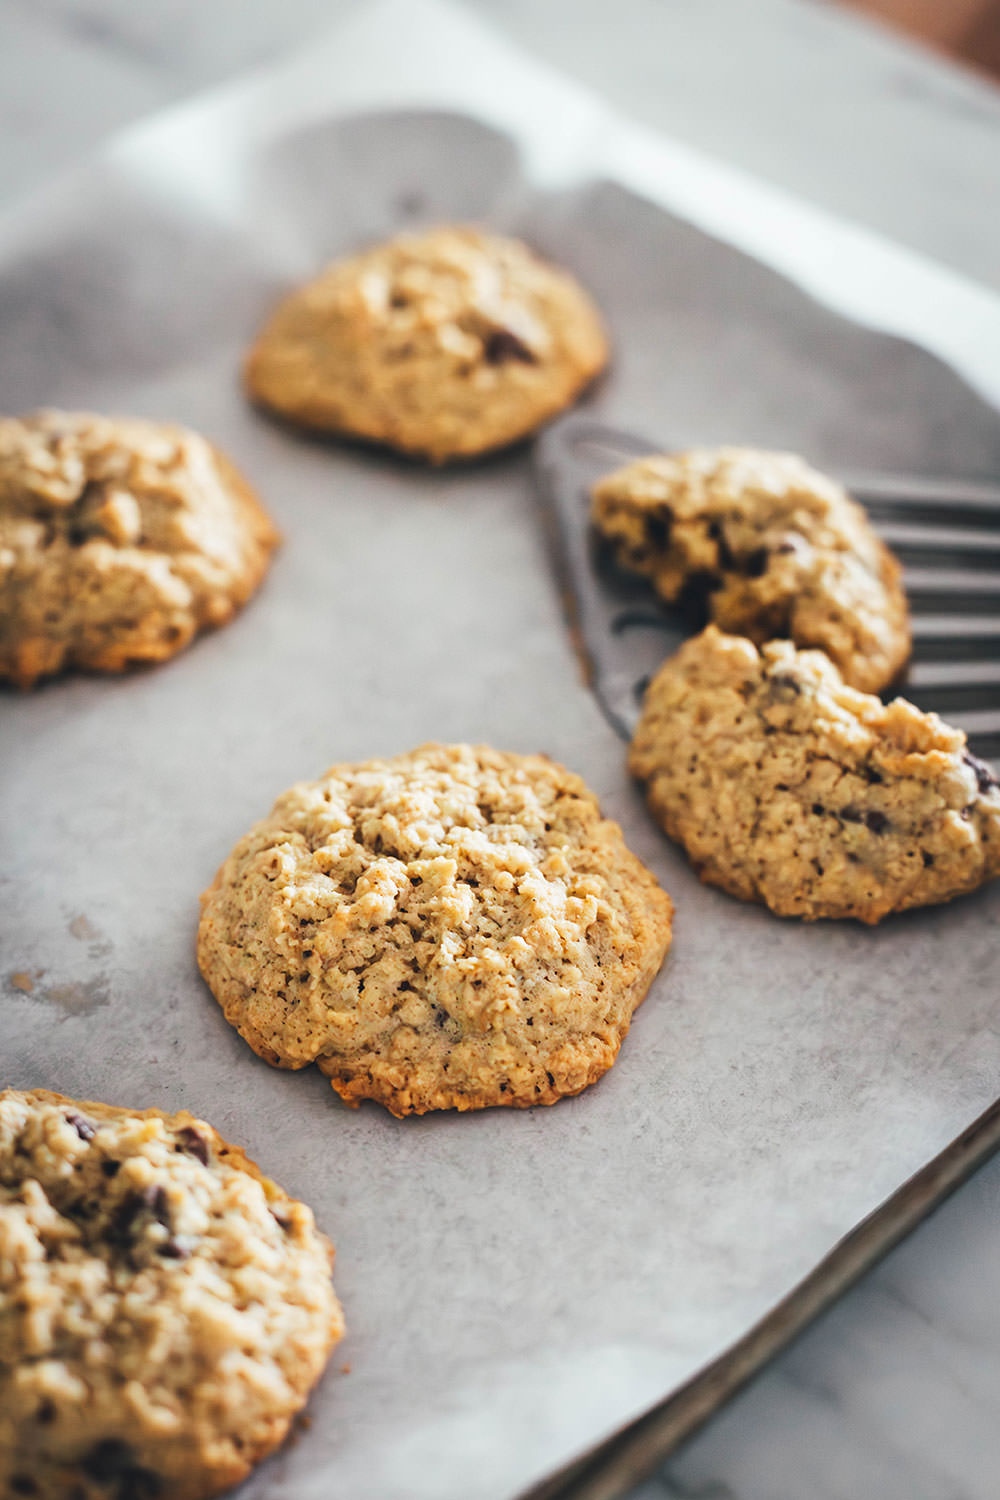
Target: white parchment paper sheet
{"x": 515, "y": 1284}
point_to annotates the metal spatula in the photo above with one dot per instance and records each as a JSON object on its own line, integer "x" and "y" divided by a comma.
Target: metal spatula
{"x": 947, "y": 535}
{"x": 945, "y": 532}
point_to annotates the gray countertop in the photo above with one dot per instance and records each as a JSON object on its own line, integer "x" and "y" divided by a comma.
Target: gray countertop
{"x": 895, "y": 1393}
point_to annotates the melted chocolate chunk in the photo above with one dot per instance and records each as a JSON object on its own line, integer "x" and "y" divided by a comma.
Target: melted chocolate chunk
{"x": 754, "y": 564}
{"x": 718, "y": 536}
{"x": 658, "y": 523}
{"x": 108, "y": 1459}
{"x": 503, "y": 345}
{"x": 112, "y": 1463}
{"x": 693, "y": 597}
{"x": 985, "y": 779}
{"x": 174, "y": 1249}
{"x": 194, "y": 1143}
{"x": 151, "y": 1200}
{"x": 85, "y": 1129}
{"x": 876, "y": 821}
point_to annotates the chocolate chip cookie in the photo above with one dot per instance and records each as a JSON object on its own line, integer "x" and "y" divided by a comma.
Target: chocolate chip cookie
{"x": 164, "y": 1308}
{"x": 768, "y": 547}
{"x": 447, "y": 929}
{"x": 442, "y": 345}
{"x": 119, "y": 540}
{"x": 788, "y": 787}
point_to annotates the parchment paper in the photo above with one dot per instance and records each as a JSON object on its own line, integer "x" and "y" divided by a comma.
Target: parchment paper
{"x": 516, "y": 1284}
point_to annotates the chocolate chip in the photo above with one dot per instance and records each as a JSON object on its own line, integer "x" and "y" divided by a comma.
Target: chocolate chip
{"x": 850, "y": 815}
{"x": 985, "y": 779}
{"x": 85, "y": 1129}
{"x": 658, "y": 522}
{"x": 173, "y": 1249}
{"x": 876, "y": 821}
{"x": 110, "y": 1167}
{"x": 23, "y": 1484}
{"x": 754, "y": 564}
{"x": 718, "y": 536}
{"x": 151, "y": 1200}
{"x": 503, "y": 345}
{"x": 928, "y": 859}
{"x": 155, "y": 1199}
{"x": 818, "y": 809}
{"x": 139, "y": 1484}
{"x": 124, "y": 1216}
{"x": 113, "y": 1462}
{"x": 873, "y": 777}
{"x": 194, "y": 1143}
{"x": 693, "y": 597}
{"x": 108, "y": 1459}
{"x": 46, "y": 1412}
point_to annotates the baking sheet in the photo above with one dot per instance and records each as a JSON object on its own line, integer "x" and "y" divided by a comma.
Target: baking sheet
{"x": 516, "y": 1284}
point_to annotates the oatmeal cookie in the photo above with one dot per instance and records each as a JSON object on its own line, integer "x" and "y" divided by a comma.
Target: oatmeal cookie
{"x": 449, "y": 929}
{"x": 164, "y": 1308}
{"x": 119, "y": 540}
{"x": 787, "y": 787}
{"x": 770, "y": 547}
{"x": 442, "y": 345}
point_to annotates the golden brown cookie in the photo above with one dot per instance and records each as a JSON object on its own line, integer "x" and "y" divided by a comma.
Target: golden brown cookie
{"x": 787, "y": 787}
{"x": 164, "y": 1308}
{"x": 449, "y": 929}
{"x": 773, "y": 548}
{"x": 119, "y": 540}
{"x": 443, "y": 345}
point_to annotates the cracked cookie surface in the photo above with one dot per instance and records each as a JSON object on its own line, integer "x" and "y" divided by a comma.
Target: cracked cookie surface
{"x": 768, "y": 546}
{"x": 785, "y": 786}
{"x": 164, "y": 1308}
{"x": 448, "y": 929}
{"x": 442, "y": 345}
{"x": 120, "y": 539}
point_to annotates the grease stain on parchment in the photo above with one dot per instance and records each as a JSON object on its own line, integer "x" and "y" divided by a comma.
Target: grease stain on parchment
{"x": 83, "y": 929}
{"x": 81, "y": 997}
{"x": 78, "y": 997}
{"x": 75, "y": 997}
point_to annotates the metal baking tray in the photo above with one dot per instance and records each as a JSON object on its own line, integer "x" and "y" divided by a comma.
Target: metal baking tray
{"x": 517, "y": 1285}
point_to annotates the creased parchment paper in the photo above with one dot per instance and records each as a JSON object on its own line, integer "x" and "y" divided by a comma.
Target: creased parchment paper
{"x": 516, "y": 1285}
